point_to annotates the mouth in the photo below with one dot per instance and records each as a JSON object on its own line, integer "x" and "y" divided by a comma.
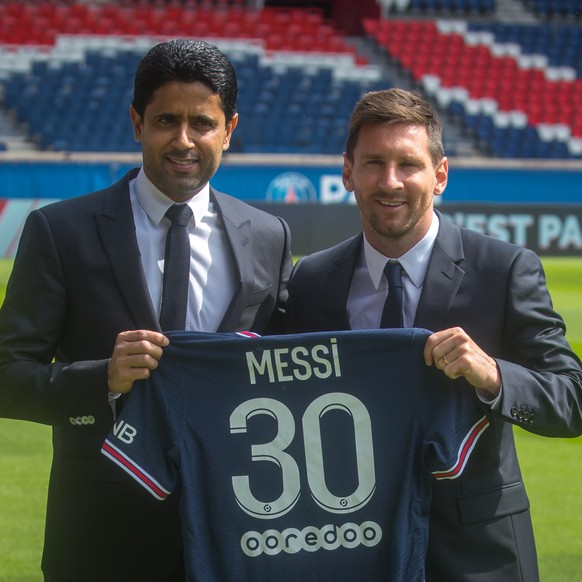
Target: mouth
{"x": 391, "y": 203}
{"x": 182, "y": 163}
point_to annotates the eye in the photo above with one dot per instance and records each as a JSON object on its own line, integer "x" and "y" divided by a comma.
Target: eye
{"x": 203, "y": 124}
{"x": 166, "y": 119}
{"x": 411, "y": 164}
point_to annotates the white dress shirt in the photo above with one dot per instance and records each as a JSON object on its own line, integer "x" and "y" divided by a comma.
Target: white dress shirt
{"x": 212, "y": 270}
{"x": 369, "y": 287}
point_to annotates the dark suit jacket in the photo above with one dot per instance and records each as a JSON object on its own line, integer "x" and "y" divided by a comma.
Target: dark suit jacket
{"x": 77, "y": 282}
{"x": 480, "y": 526}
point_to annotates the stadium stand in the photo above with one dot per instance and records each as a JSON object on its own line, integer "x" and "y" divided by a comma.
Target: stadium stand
{"x": 515, "y": 86}
{"x": 549, "y": 8}
{"x": 509, "y": 89}
{"x": 67, "y": 70}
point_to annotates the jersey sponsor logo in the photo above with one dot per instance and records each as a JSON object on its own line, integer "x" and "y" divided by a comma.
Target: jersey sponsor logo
{"x": 311, "y": 539}
{"x": 124, "y": 431}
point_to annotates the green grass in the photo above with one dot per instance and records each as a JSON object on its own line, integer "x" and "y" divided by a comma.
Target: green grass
{"x": 24, "y": 467}
{"x": 5, "y": 267}
{"x": 564, "y": 277}
{"x": 551, "y": 468}
{"x": 552, "y": 472}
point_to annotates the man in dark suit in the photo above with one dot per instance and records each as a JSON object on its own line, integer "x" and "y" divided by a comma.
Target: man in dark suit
{"x": 80, "y": 320}
{"x": 491, "y": 312}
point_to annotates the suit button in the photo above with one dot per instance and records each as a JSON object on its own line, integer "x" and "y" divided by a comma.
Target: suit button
{"x": 513, "y": 411}
{"x": 520, "y": 415}
{"x": 526, "y": 416}
{"x": 531, "y": 417}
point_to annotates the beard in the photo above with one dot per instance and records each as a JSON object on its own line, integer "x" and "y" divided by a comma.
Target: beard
{"x": 395, "y": 237}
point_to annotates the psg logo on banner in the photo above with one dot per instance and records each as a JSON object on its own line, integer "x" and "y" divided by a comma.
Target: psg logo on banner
{"x": 291, "y": 188}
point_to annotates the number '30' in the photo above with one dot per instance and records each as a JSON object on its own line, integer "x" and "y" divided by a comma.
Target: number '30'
{"x": 274, "y": 452}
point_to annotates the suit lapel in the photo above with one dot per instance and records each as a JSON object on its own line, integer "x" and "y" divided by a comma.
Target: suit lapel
{"x": 116, "y": 228}
{"x": 443, "y": 278}
{"x": 238, "y": 233}
{"x": 337, "y": 283}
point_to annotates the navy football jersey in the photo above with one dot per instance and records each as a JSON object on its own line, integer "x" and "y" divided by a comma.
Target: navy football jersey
{"x": 298, "y": 457}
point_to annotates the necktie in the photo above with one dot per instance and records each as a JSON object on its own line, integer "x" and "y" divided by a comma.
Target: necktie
{"x": 176, "y": 269}
{"x": 392, "y": 312}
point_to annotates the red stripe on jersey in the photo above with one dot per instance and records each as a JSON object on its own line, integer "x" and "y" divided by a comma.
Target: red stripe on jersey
{"x": 134, "y": 471}
{"x": 465, "y": 451}
{"x": 248, "y": 334}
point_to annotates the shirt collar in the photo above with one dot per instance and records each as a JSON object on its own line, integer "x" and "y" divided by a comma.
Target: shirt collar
{"x": 155, "y": 203}
{"x": 414, "y": 261}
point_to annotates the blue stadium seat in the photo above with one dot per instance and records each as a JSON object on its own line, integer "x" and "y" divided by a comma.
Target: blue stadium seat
{"x": 555, "y": 7}
{"x": 458, "y": 7}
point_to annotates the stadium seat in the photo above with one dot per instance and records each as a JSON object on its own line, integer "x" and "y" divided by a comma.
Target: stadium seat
{"x": 515, "y": 87}
{"x": 92, "y": 51}
{"x": 483, "y": 66}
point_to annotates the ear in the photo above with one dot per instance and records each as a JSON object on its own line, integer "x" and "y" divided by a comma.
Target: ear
{"x": 441, "y": 176}
{"x": 229, "y": 131}
{"x": 137, "y": 123}
{"x": 347, "y": 174}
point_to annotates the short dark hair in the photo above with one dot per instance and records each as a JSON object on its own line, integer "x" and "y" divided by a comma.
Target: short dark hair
{"x": 392, "y": 106}
{"x": 187, "y": 61}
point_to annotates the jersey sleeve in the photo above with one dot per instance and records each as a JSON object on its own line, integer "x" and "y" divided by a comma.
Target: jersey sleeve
{"x": 144, "y": 438}
{"x": 458, "y": 424}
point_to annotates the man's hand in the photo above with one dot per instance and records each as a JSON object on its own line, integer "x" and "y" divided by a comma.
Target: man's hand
{"x": 456, "y": 354}
{"x": 135, "y": 355}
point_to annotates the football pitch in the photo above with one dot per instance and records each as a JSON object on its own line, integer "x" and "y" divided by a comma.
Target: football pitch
{"x": 551, "y": 469}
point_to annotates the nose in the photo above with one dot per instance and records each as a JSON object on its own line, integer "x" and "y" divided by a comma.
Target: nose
{"x": 391, "y": 178}
{"x": 183, "y": 138}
